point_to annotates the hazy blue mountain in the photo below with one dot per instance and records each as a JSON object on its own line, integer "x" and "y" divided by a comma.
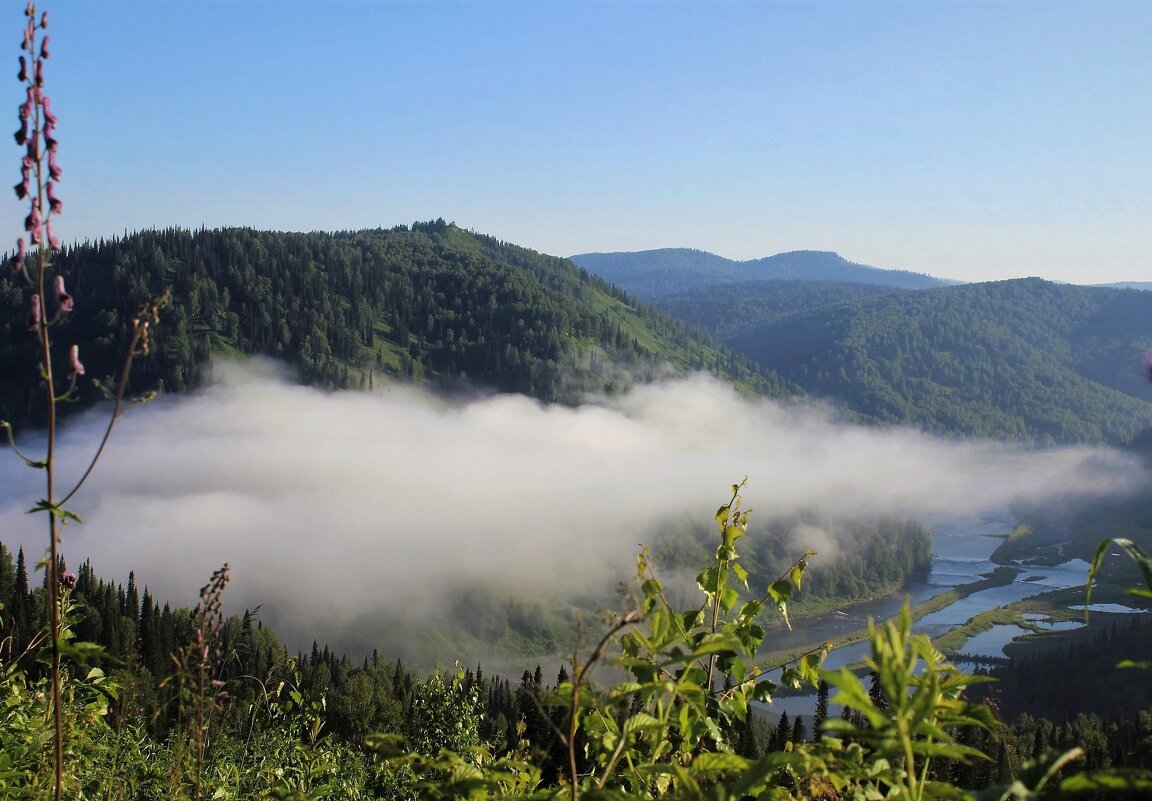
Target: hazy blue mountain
{"x": 1024, "y": 359}
{"x": 1145, "y": 286}
{"x": 651, "y": 274}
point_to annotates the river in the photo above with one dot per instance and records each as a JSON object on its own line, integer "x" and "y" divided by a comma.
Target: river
{"x": 960, "y": 555}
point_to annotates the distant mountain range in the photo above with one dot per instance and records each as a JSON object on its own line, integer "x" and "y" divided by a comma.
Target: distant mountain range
{"x": 1025, "y": 360}
{"x": 1145, "y": 286}
{"x": 651, "y": 274}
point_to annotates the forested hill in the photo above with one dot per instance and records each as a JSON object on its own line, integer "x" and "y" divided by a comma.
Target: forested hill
{"x": 727, "y": 310}
{"x": 652, "y": 274}
{"x": 433, "y": 302}
{"x": 1025, "y": 359}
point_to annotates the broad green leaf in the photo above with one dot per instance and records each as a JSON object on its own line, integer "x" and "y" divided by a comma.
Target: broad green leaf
{"x": 714, "y": 762}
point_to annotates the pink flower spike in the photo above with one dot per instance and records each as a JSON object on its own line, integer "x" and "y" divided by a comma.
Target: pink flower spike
{"x": 77, "y": 367}
{"x": 54, "y": 202}
{"x": 34, "y": 314}
{"x": 62, "y": 296}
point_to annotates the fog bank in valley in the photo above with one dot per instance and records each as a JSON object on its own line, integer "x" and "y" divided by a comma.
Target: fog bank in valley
{"x": 333, "y": 507}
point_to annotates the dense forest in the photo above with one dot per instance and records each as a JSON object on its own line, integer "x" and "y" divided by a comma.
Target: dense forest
{"x": 1020, "y": 360}
{"x": 728, "y": 310}
{"x": 871, "y": 558}
{"x": 431, "y": 302}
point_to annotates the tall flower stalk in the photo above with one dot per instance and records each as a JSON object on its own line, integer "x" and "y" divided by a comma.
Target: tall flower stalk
{"x": 49, "y": 304}
{"x": 39, "y": 174}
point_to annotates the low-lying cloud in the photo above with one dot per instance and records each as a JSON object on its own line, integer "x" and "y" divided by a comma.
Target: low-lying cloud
{"x": 331, "y": 506}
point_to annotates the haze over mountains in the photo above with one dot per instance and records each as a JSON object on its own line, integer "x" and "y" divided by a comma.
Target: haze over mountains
{"x": 652, "y": 274}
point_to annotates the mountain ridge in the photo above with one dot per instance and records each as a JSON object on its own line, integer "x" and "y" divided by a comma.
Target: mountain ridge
{"x": 652, "y": 274}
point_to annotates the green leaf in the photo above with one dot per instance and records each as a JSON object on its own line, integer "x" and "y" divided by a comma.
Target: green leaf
{"x": 717, "y": 762}
{"x": 780, "y": 591}
{"x": 55, "y": 510}
{"x": 722, "y": 514}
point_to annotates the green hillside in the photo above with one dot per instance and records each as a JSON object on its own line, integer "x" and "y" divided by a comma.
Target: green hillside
{"x": 727, "y": 310}
{"x": 1025, "y": 359}
{"x": 433, "y": 303}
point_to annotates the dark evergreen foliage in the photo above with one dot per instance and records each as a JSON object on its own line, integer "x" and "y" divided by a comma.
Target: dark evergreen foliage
{"x": 1024, "y": 360}
{"x": 433, "y": 302}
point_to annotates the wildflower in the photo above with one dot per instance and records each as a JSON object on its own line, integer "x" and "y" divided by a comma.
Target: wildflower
{"x": 24, "y": 187}
{"x": 54, "y": 172}
{"x": 33, "y": 222}
{"x": 22, "y": 133}
{"x": 49, "y": 117}
{"x": 77, "y": 365}
{"x": 62, "y": 296}
{"x": 34, "y": 314}
{"x": 53, "y": 201}
{"x": 68, "y": 579}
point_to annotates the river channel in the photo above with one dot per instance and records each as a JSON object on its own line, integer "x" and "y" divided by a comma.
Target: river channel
{"x": 960, "y": 555}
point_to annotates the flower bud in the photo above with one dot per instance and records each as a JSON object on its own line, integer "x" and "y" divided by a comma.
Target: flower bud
{"x": 77, "y": 366}
{"x": 44, "y": 48}
{"x": 22, "y": 75}
{"x": 54, "y": 203}
{"x": 68, "y": 579}
{"x": 34, "y": 314}
{"x": 62, "y": 296}
{"x": 32, "y": 221}
{"x": 21, "y": 254}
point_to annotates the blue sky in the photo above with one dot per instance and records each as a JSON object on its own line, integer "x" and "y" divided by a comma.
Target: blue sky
{"x": 972, "y": 140}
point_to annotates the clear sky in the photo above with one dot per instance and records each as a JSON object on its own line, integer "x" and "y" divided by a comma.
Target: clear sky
{"x": 971, "y": 140}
